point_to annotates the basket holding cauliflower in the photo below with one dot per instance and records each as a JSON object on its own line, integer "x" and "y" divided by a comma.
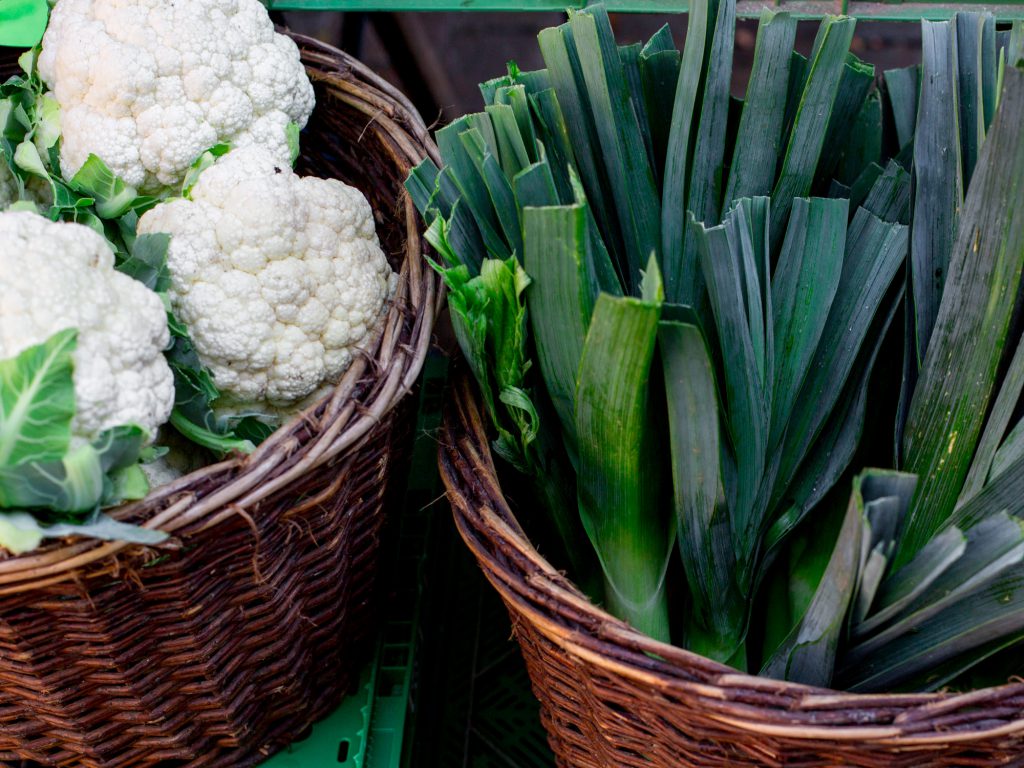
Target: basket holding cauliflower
{"x": 170, "y": 290}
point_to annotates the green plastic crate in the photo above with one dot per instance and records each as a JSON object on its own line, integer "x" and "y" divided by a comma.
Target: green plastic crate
{"x": 475, "y": 706}
{"x": 340, "y": 740}
{"x": 804, "y": 9}
{"x": 369, "y": 729}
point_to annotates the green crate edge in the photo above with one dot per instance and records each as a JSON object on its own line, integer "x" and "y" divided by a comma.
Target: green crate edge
{"x": 348, "y": 723}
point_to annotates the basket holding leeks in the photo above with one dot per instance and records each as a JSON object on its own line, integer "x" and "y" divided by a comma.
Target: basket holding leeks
{"x": 694, "y": 320}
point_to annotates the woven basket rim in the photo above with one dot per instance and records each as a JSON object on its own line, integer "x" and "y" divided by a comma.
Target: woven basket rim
{"x": 558, "y": 610}
{"x": 374, "y": 384}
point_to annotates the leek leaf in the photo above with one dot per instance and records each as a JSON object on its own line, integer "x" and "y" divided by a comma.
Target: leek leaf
{"x": 623, "y": 153}
{"x": 845, "y": 126}
{"x": 1010, "y": 451}
{"x": 807, "y": 655}
{"x": 994, "y": 612}
{"x": 832, "y": 447}
{"x": 959, "y": 373}
{"x": 660, "y": 42}
{"x": 534, "y": 186}
{"x": 489, "y": 89}
{"x": 573, "y": 105}
{"x": 992, "y": 455}
{"x": 747, "y": 388}
{"x": 435, "y": 194}
{"x": 874, "y": 251}
{"x": 864, "y": 147}
{"x": 600, "y": 272}
{"x": 889, "y": 198}
{"x": 553, "y": 135}
{"x": 681, "y": 271}
{"x": 499, "y": 189}
{"x": 629, "y": 56}
{"x": 701, "y": 513}
{"x": 512, "y": 154}
{"x": 489, "y": 319}
{"x": 803, "y": 288}
{"x": 660, "y": 73}
{"x": 886, "y": 497}
{"x": 810, "y": 122}
{"x": 903, "y": 86}
{"x": 1003, "y": 492}
{"x": 554, "y": 257}
{"x": 907, "y": 584}
{"x": 618, "y": 483}
{"x": 472, "y": 189}
{"x": 798, "y": 68}
{"x": 759, "y": 140}
{"x": 864, "y": 184}
{"x": 990, "y": 548}
{"x": 707, "y": 175}
{"x": 938, "y": 195}
{"x": 520, "y": 103}
{"x": 533, "y": 81}
{"x": 975, "y": 46}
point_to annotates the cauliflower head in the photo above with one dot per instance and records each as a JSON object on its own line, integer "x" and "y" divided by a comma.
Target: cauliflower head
{"x": 280, "y": 279}
{"x": 148, "y": 85}
{"x": 55, "y": 276}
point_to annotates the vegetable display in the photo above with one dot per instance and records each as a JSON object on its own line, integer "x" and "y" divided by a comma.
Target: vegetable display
{"x": 171, "y": 290}
{"x": 684, "y": 312}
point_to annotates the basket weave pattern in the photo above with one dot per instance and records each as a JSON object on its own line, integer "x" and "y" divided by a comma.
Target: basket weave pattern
{"x": 224, "y": 647}
{"x": 612, "y": 697}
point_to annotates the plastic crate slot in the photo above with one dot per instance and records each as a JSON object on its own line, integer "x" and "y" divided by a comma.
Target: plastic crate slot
{"x": 390, "y": 682}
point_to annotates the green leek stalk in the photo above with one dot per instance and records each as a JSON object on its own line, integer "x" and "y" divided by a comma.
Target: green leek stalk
{"x": 618, "y": 472}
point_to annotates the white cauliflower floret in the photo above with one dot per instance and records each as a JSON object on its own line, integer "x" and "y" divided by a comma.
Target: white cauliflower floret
{"x": 280, "y": 279}
{"x": 55, "y": 276}
{"x": 148, "y": 85}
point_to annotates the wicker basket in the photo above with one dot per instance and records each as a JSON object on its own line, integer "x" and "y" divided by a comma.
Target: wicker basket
{"x": 612, "y": 697}
{"x": 255, "y": 623}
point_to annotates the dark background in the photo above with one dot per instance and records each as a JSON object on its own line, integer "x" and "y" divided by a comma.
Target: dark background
{"x": 439, "y": 58}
